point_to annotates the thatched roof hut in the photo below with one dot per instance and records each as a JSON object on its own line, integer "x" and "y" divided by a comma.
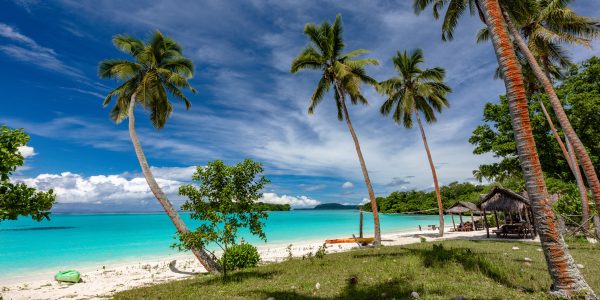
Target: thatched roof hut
{"x": 463, "y": 207}
{"x": 500, "y": 199}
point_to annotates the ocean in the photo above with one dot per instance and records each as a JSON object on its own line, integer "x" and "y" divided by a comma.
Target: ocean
{"x": 70, "y": 241}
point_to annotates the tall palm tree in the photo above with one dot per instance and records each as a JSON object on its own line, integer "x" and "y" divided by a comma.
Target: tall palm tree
{"x": 345, "y": 74}
{"x": 157, "y": 67}
{"x": 412, "y": 92}
{"x": 539, "y": 27}
{"x": 566, "y": 277}
{"x": 544, "y": 26}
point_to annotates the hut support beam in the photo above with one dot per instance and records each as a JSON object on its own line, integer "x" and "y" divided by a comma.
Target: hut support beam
{"x": 473, "y": 221}
{"x": 496, "y": 218}
{"x": 487, "y": 228}
{"x": 453, "y": 224}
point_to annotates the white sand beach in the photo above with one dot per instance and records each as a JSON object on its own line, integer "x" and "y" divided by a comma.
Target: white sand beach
{"x": 104, "y": 281}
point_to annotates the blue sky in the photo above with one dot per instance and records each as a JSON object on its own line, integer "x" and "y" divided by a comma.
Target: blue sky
{"x": 248, "y": 104}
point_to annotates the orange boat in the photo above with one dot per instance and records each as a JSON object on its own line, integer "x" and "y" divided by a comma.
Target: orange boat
{"x": 351, "y": 240}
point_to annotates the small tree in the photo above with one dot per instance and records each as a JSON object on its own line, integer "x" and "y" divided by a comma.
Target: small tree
{"x": 19, "y": 199}
{"x": 224, "y": 200}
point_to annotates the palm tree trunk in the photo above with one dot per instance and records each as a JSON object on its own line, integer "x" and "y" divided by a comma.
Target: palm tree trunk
{"x": 566, "y": 278}
{"x": 585, "y": 203}
{"x": 202, "y": 256}
{"x": 363, "y": 167}
{"x": 563, "y": 120}
{"x": 434, "y": 174}
{"x": 572, "y": 161}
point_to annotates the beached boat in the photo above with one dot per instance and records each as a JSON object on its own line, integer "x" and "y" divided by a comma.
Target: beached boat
{"x": 350, "y": 240}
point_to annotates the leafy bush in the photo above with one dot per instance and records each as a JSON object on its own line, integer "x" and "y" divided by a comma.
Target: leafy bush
{"x": 240, "y": 257}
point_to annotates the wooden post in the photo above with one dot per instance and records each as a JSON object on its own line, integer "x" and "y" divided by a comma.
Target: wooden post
{"x": 453, "y": 224}
{"x": 487, "y": 228}
{"x": 360, "y": 229}
{"x": 509, "y": 217}
{"x": 529, "y": 223}
{"x": 497, "y": 222}
{"x": 473, "y": 222}
{"x": 461, "y": 221}
{"x": 597, "y": 226}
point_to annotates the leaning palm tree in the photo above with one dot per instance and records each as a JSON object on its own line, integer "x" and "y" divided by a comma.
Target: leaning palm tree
{"x": 345, "y": 74}
{"x": 539, "y": 28}
{"x": 545, "y": 25}
{"x": 566, "y": 277}
{"x": 158, "y": 68}
{"x": 416, "y": 91}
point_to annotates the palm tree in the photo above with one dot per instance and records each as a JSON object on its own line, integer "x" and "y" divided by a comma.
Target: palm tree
{"x": 345, "y": 74}
{"x": 416, "y": 91}
{"x": 566, "y": 277}
{"x": 546, "y": 24}
{"x": 157, "y": 67}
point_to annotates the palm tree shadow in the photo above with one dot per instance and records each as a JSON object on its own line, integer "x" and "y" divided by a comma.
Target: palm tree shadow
{"x": 174, "y": 269}
{"x": 392, "y": 289}
{"x": 240, "y": 276}
{"x": 438, "y": 256}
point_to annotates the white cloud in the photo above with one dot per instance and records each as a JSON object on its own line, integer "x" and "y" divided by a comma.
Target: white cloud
{"x": 348, "y": 185}
{"x": 26, "y": 151}
{"x": 300, "y": 201}
{"x": 365, "y": 201}
{"x": 74, "y": 188}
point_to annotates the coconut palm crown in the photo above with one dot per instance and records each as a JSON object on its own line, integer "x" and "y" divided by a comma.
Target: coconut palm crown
{"x": 158, "y": 69}
{"x": 342, "y": 71}
{"x": 414, "y": 89}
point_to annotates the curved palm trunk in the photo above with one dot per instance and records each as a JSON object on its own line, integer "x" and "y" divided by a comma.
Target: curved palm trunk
{"x": 572, "y": 161}
{"x": 566, "y": 278}
{"x": 434, "y": 174}
{"x": 585, "y": 203}
{"x": 363, "y": 167}
{"x": 205, "y": 259}
{"x": 563, "y": 120}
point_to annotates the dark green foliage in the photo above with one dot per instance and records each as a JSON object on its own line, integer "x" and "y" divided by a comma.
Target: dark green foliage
{"x": 425, "y": 202}
{"x": 240, "y": 256}
{"x": 225, "y": 201}
{"x": 273, "y": 207}
{"x": 325, "y": 206}
{"x": 580, "y": 93}
{"x": 19, "y": 199}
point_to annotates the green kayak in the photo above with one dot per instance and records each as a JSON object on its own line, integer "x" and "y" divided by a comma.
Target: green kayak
{"x": 68, "y": 276}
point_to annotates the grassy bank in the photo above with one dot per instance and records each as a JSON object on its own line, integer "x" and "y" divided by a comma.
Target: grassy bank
{"x": 473, "y": 269}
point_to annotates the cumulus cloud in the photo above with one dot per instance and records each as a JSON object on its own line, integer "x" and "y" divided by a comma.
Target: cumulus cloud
{"x": 74, "y": 188}
{"x": 365, "y": 201}
{"x": 348, "y": 185}
{"x": 26, "y": 151}
{"x": 300, "y": 201}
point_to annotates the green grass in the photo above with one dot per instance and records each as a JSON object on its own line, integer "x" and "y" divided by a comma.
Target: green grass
{"x": 473, "y": 269}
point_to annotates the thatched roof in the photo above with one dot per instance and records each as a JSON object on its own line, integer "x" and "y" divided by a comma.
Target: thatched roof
{"x": 500, "y": 199}
{"x": 463, "y": 207}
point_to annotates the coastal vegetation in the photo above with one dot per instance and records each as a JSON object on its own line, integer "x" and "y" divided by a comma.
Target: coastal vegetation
{"x": 471, "y": 269}
{"x": 345, "y": 73}
{"x": 567, "y": 279}
{"x": 157, "y": 69}
{"x": 416, "y": 91}
{"x": 273, "y": 207}
{"x": 224, "y": 201}
{"x": 336, "y": 206}
{"x": 18, "y": 199}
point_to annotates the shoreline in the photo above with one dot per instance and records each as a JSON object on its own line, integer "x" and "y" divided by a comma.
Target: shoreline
{"x": 100, "y": 283}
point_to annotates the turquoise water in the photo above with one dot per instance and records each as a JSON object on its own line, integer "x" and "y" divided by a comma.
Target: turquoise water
{"x": 76, "y": 240}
